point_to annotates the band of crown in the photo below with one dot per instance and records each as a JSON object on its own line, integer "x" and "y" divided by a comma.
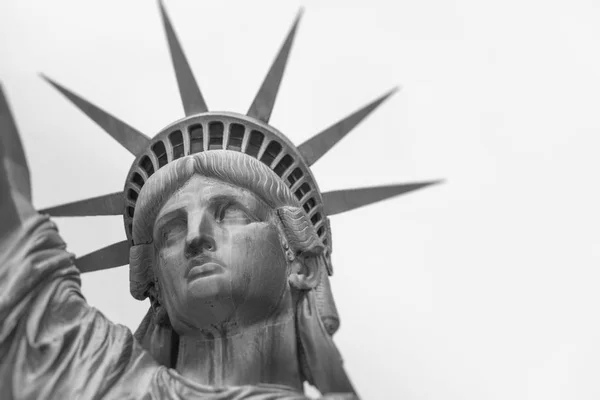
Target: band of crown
{"x": 235, "y": 132}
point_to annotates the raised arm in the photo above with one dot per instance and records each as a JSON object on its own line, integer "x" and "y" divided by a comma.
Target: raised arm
{"x": 52, "y": 343}
{"x": 30, "y": 247}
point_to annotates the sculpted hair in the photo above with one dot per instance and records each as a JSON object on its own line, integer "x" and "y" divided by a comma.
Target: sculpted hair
{"x": 299, "y": 231}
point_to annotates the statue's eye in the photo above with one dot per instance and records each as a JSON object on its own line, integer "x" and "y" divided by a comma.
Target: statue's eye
{"x": 232, "y": 214}
{"x": 172, "y": 232}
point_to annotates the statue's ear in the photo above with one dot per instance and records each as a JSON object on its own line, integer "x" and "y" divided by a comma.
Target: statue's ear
{"x": 304, "y": 273}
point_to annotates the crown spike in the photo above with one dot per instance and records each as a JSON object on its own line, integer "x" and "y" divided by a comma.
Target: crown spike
{"x": 115, "y": 255}
{"x": 15, "y": 185}
{"x": 130, "y": 138}
{"x": 191, "y": 97}
{"x": 263, "y": 103}
{"x": 340, "y": 201}
{"x": 316, "y": 147}
{"x": 14, "y": 159}
{"x": 108, "y": 204}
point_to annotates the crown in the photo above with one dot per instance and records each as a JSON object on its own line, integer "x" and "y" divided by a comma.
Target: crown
{"x": 203, "y": 130}
{"x": 234, "y": 132}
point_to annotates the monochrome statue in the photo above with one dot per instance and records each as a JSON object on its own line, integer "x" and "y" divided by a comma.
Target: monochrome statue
{"x": 226, "y": 234}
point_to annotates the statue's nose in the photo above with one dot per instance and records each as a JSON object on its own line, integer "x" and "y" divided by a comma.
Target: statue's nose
{"x": 200, "y": 236}
{"x": 198, "y": 245}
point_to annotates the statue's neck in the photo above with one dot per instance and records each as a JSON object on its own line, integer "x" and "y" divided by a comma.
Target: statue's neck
{"x": 262, "y": 353}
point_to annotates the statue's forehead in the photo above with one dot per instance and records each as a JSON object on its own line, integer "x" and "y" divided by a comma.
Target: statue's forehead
{"x": 200, "y": 190}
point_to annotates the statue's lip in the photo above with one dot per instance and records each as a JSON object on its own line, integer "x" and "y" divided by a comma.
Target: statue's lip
{"x": 206, "y": 269}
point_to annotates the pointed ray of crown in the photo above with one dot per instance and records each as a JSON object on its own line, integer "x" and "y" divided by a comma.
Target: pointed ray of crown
{"x": 13, "y": 162}
{"x": 201, "y": 130}
{"x": 191, "y": 97}
{"x": 15, "y": 196}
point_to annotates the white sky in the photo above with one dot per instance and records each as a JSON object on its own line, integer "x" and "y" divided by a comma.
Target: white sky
{"x": 483, "y": 288}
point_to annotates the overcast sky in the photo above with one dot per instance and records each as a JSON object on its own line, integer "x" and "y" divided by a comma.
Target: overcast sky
{"x": 485, "y": 287}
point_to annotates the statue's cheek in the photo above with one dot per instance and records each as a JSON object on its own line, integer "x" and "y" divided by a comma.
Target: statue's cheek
{"x": 170, "y": 258}
{"x": 257, "y": 259}
{"x": 259, "y": 241}
{"x": 170, "y": 268}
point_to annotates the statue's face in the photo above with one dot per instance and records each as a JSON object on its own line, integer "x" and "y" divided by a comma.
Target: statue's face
{"x": 218, "y": 256}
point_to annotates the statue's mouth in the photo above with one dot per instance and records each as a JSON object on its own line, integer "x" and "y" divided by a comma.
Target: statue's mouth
{"x": 204, "y": 270}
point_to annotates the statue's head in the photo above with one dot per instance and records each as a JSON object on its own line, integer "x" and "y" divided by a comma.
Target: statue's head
{"x": 228, "y": 243}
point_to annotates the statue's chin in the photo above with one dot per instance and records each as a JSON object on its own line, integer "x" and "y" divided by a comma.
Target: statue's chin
{"x": 206, "y": 314}
{"x": 208, "y": 299}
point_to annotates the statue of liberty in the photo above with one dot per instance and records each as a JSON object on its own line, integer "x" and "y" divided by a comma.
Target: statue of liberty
{"x": 227, "y": 236}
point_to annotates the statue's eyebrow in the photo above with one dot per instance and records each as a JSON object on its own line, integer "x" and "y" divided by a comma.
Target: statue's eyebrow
{"x": 228, "y": 197}
{"x": 252, "y": 204}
